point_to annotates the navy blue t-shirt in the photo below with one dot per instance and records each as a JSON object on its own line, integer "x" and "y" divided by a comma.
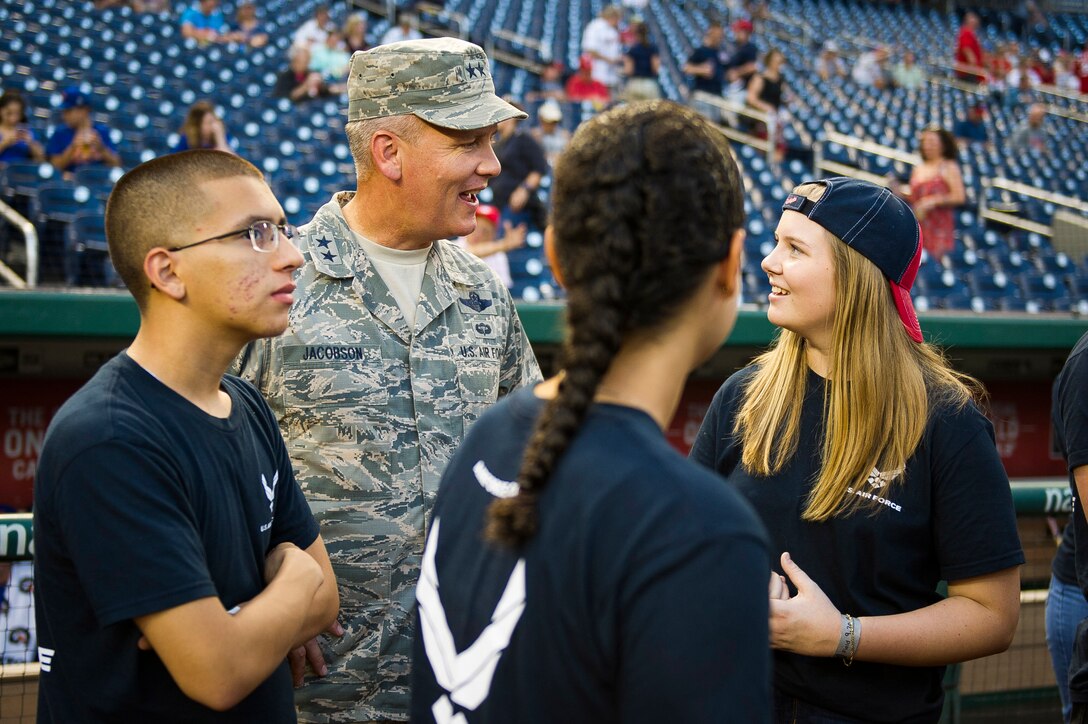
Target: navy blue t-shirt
{"x": 713, "y": 84}
{"x": 742, "y": 55}
{"x": 1069, "y": 415}
{"x": 949, "y": 516}
{"x": 144, "y": 502}
{"x": 642, "y": 56}
{"x": 641, "y": 598}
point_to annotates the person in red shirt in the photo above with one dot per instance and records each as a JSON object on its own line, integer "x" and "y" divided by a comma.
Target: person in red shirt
{"x": 1080, "y": 67}
{"x": 582, "y": 87}
{"x": 968, "y": 49}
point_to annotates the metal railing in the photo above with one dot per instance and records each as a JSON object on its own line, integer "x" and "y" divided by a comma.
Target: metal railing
{"x": 727, "y": 109}
{"x": 821, "y": 163}
{"x": 1010, "y": 219}
{"x": 30, "y": 236}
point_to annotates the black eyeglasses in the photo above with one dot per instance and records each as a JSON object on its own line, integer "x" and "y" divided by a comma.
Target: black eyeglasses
{"x": 264, "y": 236}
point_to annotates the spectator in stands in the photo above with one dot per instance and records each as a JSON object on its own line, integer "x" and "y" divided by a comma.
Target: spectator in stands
{"x": 766, "y": 93}
{"x": 514, "y": 190}
{"x": 330, "y": 58}
{"x": 907, "y": 73}
{"x": 78, "y": 140}
{"x": 828, "y": 63}
{"x": 1000, "y": 65}
{"x": 1065, "y": 72}
{"x": 1038, "y": 27}
{"x": 355, "y": 33}
{"x": 1021, "y": 86}
{"x": 301, "y": 84}
{"x": 407, "y": 28}
{"x": 482, "y": 242}
{"x": 872, "y": 468}
{"x": 870, "y": 69}
{"x": 936, "y": 189}
{"x": 205, "y": 22}
{"x": 1081, "y": 68}
{"x": 1039, "y": 61}
{"x": 17, "y": 140}
{"x": 641, "y": 64}
{"x": 968, "y": 50}
{"x": 582, "y": 86}
{"x": 551, "y": 84}
{"x": 601, "y": 42}
{"x": 704, "y": 67}
{"x": 972, "y": 129}
{"x": 203, "y": 128}
{"x": 247, "y": 28}
{"x": 1031, "y": 133}
{"x": 313, "y": 32}
{"x": 739, "y": 66}
{"x": 551, "y": 136}
{"x": 176, "y": 560}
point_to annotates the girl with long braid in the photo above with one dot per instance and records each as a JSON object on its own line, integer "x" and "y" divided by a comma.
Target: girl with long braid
{"x": 577, "y": 568}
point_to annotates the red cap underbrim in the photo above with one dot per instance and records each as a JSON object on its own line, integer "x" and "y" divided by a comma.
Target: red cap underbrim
{"x": 905, "y": 307}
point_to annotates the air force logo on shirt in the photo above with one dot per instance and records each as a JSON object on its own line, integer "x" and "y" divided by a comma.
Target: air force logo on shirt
{"x": 877, "y": 480}
{"x": 270, "y": 493}
{"x": 466, "y": 676}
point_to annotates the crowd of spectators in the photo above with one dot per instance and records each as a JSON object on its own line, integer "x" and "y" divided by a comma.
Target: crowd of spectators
{"x": 620, "y": 61}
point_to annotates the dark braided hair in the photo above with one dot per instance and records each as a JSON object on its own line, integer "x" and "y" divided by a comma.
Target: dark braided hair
{"x": 645, "y": 201}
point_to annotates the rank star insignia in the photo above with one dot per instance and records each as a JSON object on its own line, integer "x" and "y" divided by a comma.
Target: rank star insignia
{"x": 471, "y": 70}
{"x": 323, "y": 242}
{"x": 328, "y": 256}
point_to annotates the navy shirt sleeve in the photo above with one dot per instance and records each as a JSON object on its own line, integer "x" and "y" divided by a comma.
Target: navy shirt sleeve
{"x": 1071, "y": 410}
{"x": 293, "y": 521}
{"x": 713, "y": 446}
{"x": 974, "y": 517}
{"x": 130, "y": 532}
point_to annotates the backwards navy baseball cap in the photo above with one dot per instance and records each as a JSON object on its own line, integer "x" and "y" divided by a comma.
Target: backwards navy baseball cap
{"x": 877, "y": 224}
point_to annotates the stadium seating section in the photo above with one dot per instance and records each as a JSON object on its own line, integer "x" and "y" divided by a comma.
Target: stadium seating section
{"x": 143, "y": 75}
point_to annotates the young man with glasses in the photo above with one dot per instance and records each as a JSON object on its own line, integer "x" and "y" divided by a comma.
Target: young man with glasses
{"x": 398, "y": 341}
{"x": 176, "y": 560}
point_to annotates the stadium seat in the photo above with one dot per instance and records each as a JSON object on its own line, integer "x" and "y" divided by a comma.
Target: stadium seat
{"x": 87, "y": 260}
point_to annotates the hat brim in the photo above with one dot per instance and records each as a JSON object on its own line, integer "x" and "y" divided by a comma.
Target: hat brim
{"x": 469, "y": 116}
{"x": 905, "y": 307}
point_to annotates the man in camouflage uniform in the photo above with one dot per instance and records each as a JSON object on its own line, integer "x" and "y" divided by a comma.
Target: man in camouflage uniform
{"x": 397, "y": 342}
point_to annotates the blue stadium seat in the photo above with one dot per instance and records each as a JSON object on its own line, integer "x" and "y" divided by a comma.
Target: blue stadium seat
{"x": 87, "y": 260}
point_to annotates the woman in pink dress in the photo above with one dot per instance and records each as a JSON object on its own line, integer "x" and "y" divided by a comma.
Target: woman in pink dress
{"x": 936, "y": 188}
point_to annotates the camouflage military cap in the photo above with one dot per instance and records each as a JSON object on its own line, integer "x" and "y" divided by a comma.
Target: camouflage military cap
{"x": 444, "y": 81}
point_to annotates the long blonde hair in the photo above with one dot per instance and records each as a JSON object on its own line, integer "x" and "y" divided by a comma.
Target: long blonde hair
{"x": 880, "y": 390}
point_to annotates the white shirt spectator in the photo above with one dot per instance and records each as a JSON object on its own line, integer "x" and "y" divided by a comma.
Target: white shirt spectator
{"x": 396, "y": 34}
{"x": 310, "y": 35}
{"x": 600, "y": 37}
{"x": 868, "y": 70}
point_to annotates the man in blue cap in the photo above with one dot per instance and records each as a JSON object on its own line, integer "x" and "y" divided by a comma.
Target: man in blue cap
{"x": 79, "y": 141}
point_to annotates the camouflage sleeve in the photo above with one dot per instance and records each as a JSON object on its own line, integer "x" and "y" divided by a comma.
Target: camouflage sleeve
{"x": 251, "y": 364}
{"x": 519, "y": 365}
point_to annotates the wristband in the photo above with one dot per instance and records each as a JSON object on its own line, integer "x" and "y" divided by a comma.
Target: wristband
{"x": 845, "y": 634}
{"x": 849, "y": 637}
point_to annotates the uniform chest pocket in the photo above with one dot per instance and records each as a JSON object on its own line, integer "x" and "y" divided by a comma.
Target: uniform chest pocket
{"x": 334, "y": 377}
